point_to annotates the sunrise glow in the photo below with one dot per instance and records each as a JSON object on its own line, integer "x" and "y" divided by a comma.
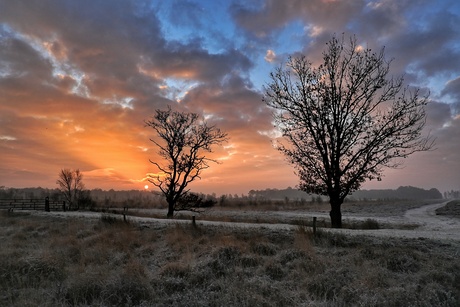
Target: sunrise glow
{"x": 77, "y": 83}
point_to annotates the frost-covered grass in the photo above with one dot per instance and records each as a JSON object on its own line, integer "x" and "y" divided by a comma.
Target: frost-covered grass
{"x": 451, "y": 209}
{"x": 51, "y": 261}
{"x": 356, "y": 215}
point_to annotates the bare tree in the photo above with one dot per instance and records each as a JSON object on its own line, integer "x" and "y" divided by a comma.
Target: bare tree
{"x": 345, "y": 120}
{"x": 183, "y": 139}
{"x": 71, "y": 184}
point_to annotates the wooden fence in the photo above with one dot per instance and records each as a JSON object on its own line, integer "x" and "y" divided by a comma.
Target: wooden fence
{"x": 32, "y": 204}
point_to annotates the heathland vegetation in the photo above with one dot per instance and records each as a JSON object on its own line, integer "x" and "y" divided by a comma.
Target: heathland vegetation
{"x": 60, "y": 261}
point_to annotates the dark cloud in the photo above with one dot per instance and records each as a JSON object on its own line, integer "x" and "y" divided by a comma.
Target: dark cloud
{"x": 452, "y": 88}
{"x": 438, "y": 114}
{"x": 19, "y": 60}
{"x": 193, "y": 62}
{"x": 431, "y": 48}
{"x": 327, "y": 15}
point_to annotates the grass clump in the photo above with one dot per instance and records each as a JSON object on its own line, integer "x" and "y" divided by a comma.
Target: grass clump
{"x": 366, "y": 224}
{"x": 113, "y": 220}
{"x": 452, "y": 208}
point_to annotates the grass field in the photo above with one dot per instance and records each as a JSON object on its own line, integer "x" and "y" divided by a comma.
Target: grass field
{"x": 50, "y": 261}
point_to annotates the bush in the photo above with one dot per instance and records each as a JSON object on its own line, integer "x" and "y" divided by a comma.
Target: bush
{"x": 224, "y": 260}
{"x": 402, "y": 261}
{"x": 263, "y": 249}
{"x": 112, "y": 220}
{"x": 370, "y": 224}
{"x": 274, "y": 271}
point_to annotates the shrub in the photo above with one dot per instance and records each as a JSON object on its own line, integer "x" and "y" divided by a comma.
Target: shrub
{"x": 293, "y": 254}
{"x": 329, "y": 284}
{"x": 249, "y": 261}
{"x": 402, "y": 261}
{"x": 370, "y": 224}
{"x": 274, "y": 271}
{"x": 224, "y": 260}
{"x": 128, "y": 290}
{"x": 335, "y": 239}
{"x": 108, "y": 219}
{"x": 175, "y": 269}
{"x": 263, "y": 249}
{"x": 84, "y": 289}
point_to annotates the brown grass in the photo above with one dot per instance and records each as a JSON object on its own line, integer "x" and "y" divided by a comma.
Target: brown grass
{"x": 51, "y": 261}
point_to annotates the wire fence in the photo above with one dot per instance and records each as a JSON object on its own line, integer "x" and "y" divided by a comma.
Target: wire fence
{"x": 43, "y": 204}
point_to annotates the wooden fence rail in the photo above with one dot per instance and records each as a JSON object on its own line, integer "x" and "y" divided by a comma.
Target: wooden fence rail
{"x": 32, "y": 204}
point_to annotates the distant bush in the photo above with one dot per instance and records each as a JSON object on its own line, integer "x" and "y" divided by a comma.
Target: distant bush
{"x": 114, "y": 220}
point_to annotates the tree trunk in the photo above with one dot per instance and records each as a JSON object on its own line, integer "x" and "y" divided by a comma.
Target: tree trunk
{"x": 170, "y": 214}
{"x": 335, "y": 214}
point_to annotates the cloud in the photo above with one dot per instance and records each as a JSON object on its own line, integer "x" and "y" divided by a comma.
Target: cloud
{"x": 452, "y": 88}
{"x": 78, "y": 79}
{"x": 273, "y": 15}
{"x": 191, "y": 62}
{"x": 270, "y": 56}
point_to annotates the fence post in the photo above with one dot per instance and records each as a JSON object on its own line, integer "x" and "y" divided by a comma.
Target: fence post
{"x": 193, "y": 221}
{"x": 314, "y": 226}
{"x": 63, "y": 205}
{"x": 47, "y": 204}
{"x": 125, "y": 209}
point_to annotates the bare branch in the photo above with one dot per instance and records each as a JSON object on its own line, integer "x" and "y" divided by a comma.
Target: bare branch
{"x": 345, "y": 120}
{"x": 182, "y": 139}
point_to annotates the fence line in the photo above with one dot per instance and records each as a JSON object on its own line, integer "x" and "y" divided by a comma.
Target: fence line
{"x": 43, "y": 204}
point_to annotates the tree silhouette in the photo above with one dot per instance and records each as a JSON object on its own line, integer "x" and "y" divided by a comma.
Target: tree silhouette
{"x": 71, "y": 184}
{"x": 183, "y": 139}
{"x": 344, "y": 120}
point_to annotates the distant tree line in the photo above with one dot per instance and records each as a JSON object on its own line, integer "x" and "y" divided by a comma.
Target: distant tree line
{"x": 55, "y": 195}
{"x": 275, "y": 194}
{"x": 407, "y": 192}
{"x": 149, "y": 199}
{"x": 403, "y": 192}
{"x": 452, "y": 194}
{"x": 102, "y": 198}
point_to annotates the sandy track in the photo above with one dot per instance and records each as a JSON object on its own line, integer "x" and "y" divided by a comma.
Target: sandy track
{"x": 428, "y": 220}
{"x": 430, "y": 225}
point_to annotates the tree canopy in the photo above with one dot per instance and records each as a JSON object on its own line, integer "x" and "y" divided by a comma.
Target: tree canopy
{"x": 70, "y": 183}
{"x": 345, "y": 119}
{"x": 183, "y": 140}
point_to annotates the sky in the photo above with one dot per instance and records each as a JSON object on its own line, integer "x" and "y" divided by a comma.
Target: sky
{"x": 78, "y": 79}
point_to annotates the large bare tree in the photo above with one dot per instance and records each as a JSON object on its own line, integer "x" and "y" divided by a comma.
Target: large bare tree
{"x": 344, "y": 120}
{"x": 71, "y": 184}
{"x": 183, "y": 139}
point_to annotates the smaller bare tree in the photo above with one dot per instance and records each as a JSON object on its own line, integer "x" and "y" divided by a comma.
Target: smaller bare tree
{"x": 183, "y": 139}
{"x": 71, "y": 184}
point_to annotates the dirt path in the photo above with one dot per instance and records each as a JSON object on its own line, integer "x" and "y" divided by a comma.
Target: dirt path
{"x": 430, "y": 225}
{"x": 428, "y": 220}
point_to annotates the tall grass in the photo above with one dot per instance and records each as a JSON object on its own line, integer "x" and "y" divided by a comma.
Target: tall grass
{"x": 55, "y": 261}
